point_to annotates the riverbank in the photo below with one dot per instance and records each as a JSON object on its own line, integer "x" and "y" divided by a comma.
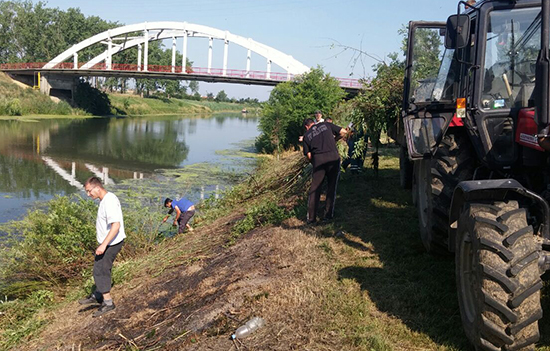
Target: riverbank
{"x": 18, "y": 102}
{"x": 361, "y": 282}
{"x": 134, "y": 105}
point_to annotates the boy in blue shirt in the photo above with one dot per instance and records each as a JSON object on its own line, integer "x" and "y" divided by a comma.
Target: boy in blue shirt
{"x": 184, "y": 208}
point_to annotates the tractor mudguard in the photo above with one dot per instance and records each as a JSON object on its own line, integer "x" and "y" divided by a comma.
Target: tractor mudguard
{"x": 493, "y": 190}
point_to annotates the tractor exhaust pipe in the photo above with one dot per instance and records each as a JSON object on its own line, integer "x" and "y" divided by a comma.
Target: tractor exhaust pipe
{"x": 542, "y": 115}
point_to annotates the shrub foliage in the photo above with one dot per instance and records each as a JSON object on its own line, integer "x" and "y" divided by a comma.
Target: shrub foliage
{"x": 52, "y": 246}
{"x": 290, "y": 103}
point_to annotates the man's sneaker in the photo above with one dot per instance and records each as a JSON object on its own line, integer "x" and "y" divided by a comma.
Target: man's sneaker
{"x": 90, "y": 300}
{"x": 104, "y": 308}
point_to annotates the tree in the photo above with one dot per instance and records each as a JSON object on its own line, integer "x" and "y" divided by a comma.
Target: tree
{"x": 378, "y": 106}
{"x": 221, "y": 96}
{"x": 290, "y": 103}
{"x": 194, "y": 86}
{"x": 34, "y": 33}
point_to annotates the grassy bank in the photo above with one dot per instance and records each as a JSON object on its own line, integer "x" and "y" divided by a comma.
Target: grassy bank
{"x": 17, "y": 101}
{"x": 135, "y": 105}
{"x": 361, "y": 282}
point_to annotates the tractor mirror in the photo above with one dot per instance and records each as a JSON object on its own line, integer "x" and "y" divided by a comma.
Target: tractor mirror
{"x": 457, "y": 32}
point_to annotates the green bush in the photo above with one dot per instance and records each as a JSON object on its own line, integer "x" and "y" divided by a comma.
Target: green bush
{"x": 290, "y": 103}
{"x": 265, "y": 213}
{"x": 51, "y": 246}
{"x": 14, "y": 108}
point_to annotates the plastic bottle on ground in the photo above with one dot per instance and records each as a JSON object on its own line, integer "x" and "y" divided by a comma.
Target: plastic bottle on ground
{"x": 248, "y": 328}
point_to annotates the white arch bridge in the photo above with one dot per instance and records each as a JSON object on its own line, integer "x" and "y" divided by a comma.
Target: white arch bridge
{"x": 61, "y": 71}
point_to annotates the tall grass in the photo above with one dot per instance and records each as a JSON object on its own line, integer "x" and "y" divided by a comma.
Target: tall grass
{"x": 18, "y": 101}
{"x": 135, "y": 105}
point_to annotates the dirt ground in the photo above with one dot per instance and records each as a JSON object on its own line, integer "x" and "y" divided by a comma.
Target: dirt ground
{"x": 197, "y": 306}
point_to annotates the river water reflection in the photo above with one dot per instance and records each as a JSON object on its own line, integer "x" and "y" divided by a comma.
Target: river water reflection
{"x": 47, "y": 157}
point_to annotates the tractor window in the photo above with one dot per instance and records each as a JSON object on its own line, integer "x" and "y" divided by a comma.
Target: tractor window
{"x": 512, "y": 45}
{"x": 444, "y": 84}
{"x": 428, "y": 52}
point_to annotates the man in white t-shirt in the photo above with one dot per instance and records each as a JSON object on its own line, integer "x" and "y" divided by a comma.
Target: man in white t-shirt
{"x": 319, "y": 117}
{"x": 110, "y": 236}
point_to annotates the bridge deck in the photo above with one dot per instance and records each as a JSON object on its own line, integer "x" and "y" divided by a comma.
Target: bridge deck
{"x": 214, "y": 75}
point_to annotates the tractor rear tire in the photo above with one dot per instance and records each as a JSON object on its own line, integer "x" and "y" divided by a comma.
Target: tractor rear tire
{"x": 405, "y": 168}
{"x": 436, "y": 179}
{"x": 498, "y": 277}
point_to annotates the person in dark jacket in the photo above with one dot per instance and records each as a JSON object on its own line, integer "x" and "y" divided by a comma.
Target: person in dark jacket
{"x": 320, "y": 149}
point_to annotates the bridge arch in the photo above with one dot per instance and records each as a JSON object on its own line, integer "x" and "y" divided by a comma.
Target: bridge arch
{"x": 165, "y": 30}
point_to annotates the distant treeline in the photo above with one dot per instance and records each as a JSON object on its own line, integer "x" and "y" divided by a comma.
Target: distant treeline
{"x": 36, "y": 33}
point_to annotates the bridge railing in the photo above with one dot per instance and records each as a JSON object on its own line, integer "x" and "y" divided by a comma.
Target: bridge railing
{"x": 217, "y": 72}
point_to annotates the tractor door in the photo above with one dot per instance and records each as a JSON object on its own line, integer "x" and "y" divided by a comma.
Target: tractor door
{"x": 425, "y": 88}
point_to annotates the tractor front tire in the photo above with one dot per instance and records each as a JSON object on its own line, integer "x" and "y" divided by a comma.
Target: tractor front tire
{"x": 498, "y": 278}
{"x": 435, "y": 181}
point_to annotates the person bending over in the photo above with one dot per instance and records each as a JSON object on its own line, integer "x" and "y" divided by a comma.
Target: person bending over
{"x": 184, "y": 208}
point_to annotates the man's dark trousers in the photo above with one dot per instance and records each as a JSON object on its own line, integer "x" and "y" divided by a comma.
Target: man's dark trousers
{"x": 184, "y": 219}
{"x": 331, "y": 170}
{"x": 102, "y": 268}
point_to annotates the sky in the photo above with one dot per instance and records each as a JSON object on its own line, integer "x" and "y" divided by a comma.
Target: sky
{"x": 313, "y": 32}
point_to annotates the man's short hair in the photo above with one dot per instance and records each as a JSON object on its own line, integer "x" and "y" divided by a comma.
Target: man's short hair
{"x": 95, "y": 181}
{"x": 318, "y": 112}
{"x": 308, "y": 122}
{"x": 167, "y": 201}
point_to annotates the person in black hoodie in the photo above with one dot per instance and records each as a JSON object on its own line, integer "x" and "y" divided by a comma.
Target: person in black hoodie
{"x": 320, "y": 149}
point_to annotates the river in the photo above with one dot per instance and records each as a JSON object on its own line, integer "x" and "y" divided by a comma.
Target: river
{"x": 195, "y": 156}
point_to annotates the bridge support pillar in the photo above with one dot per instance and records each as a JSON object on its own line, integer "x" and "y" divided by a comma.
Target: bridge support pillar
{"x": 174, "y": 55}
{"x": 184, "y": 53}
{"x": 139, "y": 58}
{"x": 145, "y": 49}
{"x": 225, "y": 50}
{"x": 210, "y": 44}
{"x": 63, "y": 87}
{"x": 109, "y": 54}
{"x": 248, "y": 64}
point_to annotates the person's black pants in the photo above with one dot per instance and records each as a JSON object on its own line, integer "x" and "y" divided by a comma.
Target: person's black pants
{"x": 184, "y": 219}
{"x": 102, "y": 268}
{"x": 332, "y": 171}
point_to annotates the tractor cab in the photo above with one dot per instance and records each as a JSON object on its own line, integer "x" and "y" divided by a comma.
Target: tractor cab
{"x": 485, "y": 76}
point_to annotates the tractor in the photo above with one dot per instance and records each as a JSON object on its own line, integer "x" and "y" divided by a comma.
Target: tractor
{"x": 475, "y": 149}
